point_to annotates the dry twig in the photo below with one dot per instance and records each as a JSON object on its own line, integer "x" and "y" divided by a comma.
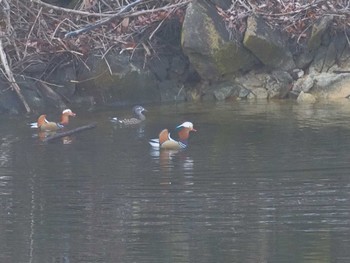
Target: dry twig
{"x": 11, "y": 78}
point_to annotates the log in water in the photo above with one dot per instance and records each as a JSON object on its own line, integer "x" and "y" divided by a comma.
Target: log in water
{"x": 66, "y": 133}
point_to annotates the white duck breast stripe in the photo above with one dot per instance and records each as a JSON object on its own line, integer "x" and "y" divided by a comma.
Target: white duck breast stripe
{"x": 182, "y": 145}
{"x": 171, "y": 139}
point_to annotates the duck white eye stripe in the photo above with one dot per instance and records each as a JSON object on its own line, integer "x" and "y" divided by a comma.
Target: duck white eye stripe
{"x": 186, "y": 124}
{"x": 66, "y": 111}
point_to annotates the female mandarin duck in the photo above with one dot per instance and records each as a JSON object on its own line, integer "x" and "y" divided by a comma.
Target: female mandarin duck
{"x": 44, "y": 125}
{"x": 166, "y": 142}
{"x": 138, "y": 117}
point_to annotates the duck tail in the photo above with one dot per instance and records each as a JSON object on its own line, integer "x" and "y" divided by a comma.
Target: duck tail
{"x": 34, "y": 125}
{"x": 154, "y": 143}
{"x": 115, "y": 120}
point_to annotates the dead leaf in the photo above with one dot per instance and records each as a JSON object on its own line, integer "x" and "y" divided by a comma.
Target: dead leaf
{"x": 125, "y": 22}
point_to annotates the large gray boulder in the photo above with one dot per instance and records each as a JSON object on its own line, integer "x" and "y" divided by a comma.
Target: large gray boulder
{"x": 331, "y": 85}
{"x": 171, "y": 91}
{"x": 226, "y": 90}
{"x": 325, "y": 85}
{"x": 332, "y": 57}
{"x": 267, "y": 45}
{"x": 318, "y": 30}
{"x": 206, "y": 42}
{"x": 262, "y": 85}
{"x": 306, "y": 98}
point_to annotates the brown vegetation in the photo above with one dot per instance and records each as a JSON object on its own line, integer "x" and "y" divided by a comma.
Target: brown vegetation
{"x": 32, "y": 31}
{"x": 295, "y": 17}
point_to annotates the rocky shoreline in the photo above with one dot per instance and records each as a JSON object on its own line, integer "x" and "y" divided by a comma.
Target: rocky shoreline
{"x": 199, "y": 60}
{"x": 265, "y": 65}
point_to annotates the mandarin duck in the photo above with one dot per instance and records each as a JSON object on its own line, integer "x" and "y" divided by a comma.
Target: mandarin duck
{"x": 164, "y": 141}
{"x": 138, "y": 117}
{"x": 44, "y": 125}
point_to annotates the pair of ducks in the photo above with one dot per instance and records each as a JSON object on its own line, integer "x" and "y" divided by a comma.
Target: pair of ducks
{"x": 46, "y": 126}
{"x": 164, "y": 141}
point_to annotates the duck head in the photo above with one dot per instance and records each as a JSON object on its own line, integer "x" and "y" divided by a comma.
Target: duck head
{"x": 187, "y": 125}
{"x": 184, "y": 130}
{"x": 138, "y": 112}
{"x": 68, "y": 112}
{"x": 65, "y": 116}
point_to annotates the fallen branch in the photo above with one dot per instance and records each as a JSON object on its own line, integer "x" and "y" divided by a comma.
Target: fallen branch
{"x": 11, "y": 78}
{"x": 102, "y": 22}
{"x": 70, "y": 132}
{"x": 67, "y": 10}
{"x": 109, "y": 15}
{"x": 341, "y": 71}
{"x": 301, "y": 9}
{"x": 30, "y": 32}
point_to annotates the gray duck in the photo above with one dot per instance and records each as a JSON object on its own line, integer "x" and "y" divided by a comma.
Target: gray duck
{"x": 136, "y": 119}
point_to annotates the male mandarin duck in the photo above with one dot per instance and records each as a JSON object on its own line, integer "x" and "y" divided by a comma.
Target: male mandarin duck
{"x": 138, "y": 117}
{"x": 44, "y": 125}
{"x": 166, "y": 142}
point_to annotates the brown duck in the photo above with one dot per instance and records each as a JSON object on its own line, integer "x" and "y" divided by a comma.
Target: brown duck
{"x": 164, "y": 141}
{"x": 44, "y": 125}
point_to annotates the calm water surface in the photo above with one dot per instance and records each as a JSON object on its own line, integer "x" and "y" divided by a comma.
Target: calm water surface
{"x": 260, "y": 182}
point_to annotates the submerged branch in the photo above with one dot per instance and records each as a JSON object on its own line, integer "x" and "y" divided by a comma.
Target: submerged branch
{"x": 70, "y": 132}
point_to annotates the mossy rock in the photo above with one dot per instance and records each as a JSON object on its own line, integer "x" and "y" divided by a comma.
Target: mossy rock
{"x": 206, "y": 42}
{"x": 267, "y": 45}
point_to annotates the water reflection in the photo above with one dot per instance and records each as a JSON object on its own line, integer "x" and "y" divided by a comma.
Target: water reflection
{"x": 43, "y": 136}
{"x": 49, "y": 138}
{"x": 7, "y": 198}
{"x": 137, "y": 129}
{"x": 172, "y": 163}
{"x": 261, "y": 182}
{"x": 334, "y": 114}
{"x": 5, "y": 149}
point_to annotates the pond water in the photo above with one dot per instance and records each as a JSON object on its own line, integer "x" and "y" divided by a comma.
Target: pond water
{"x": 259, "y": 182}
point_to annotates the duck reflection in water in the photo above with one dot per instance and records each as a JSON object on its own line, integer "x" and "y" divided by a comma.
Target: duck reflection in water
{"x": 136, "y": 131}
{"x": 169, "y": 160}
{"x": 43, "y": 135}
